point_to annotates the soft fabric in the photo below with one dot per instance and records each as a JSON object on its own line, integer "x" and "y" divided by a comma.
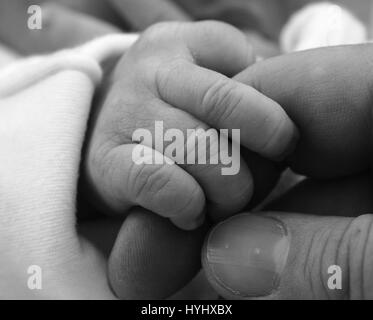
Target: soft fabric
{"x": 321, "y": 25}
{"x": 7, "y": 56}
{"x": 44, "y": 106}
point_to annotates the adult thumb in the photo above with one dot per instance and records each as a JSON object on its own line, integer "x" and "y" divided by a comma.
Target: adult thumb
{"x": 291, "y": 256}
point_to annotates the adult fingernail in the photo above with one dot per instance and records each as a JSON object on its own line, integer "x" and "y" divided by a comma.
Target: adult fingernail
{"x": 247, "y": 254}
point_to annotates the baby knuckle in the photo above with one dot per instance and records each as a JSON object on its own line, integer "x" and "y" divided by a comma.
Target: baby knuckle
{"x": 161, "y": 32}
{"x": 99, "y": 163}
{"x": 165, "y": 74}
{"x": 220, "y": 100}
{"x": 188, "y": 203}
{"x": 149, "y": 181}
{"x": 156, "y": 32}
{"x": 274, "y": 133}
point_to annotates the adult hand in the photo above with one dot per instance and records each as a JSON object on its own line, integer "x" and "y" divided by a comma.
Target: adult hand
{"x": 282, "y": 255}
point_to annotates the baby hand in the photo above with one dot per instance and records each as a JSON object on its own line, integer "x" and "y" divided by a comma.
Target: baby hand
{"x": 177, "y": 76}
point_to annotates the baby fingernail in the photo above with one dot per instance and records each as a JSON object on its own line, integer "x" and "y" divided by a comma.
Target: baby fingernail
{"x": 291, "y": 146}
{"x": 247, "y": 254}
{"x": 188, "y": 224}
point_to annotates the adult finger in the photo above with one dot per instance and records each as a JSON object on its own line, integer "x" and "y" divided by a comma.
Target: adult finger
{"x": 327, "y": 93}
